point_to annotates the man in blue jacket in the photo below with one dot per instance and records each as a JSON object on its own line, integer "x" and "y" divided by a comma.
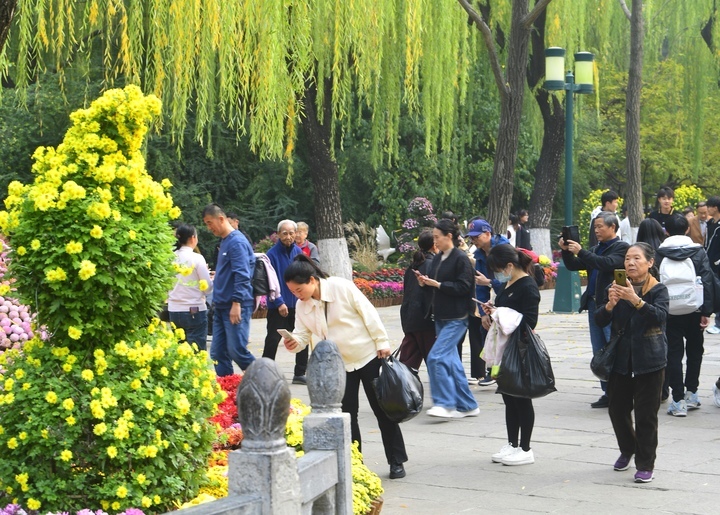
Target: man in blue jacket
{"x": 232, "y": 294}
{"x": 281, "y": 311}
{"x": 481, "y": 234}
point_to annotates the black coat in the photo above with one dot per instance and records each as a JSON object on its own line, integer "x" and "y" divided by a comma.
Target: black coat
{"x": 613, "y": 258}
{"x": 522, "y": 238}
{"x": 415, "y": 309}
{"x": 644, "y": 343}
{"x": 453, "y": 300}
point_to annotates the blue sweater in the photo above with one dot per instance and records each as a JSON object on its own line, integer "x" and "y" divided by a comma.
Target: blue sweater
{"x": 280, "y": 257}
{"x": 233, "y": 272}
{"x": 482, "y": 293}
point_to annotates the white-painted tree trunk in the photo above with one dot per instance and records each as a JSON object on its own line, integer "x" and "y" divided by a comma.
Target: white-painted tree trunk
{"x": 334, "y": 257}
{"x": 540, "y": 240}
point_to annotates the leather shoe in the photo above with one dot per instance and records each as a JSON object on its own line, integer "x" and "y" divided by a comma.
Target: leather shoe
{"x": 397, "y": 471}
{"x": 602, "y": 402}
{"x": 299, "y": 380}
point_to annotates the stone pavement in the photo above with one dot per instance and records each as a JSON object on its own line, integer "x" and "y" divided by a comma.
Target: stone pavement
{"x": 450, "y": 472}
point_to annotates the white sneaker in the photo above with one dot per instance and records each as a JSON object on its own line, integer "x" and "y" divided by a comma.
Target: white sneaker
{"x": 716, "y": 396}
{"x": 471, "y": 413}
{"x": 519, "y": 457}
{"x": 439, "y": 411}
{"x": 505, "y": 451}
{"x": 713, "y": 329}
{"x": 472, "y": 381}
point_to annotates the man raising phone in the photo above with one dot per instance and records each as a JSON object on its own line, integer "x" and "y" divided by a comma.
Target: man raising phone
{"x": 600, "y": 262}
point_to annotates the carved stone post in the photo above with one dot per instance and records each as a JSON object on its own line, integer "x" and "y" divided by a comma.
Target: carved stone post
{"x": 326, "y": 427}
{"x": 265, "y": 465}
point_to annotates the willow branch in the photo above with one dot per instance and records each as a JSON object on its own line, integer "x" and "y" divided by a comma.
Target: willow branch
{"x": 490, "y": 43}
{"x": 528, "y": 20}
{"x": 625, "y": 9}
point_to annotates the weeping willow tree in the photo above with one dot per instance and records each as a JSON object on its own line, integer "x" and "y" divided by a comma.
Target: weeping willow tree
{"x": 268, "y": 68}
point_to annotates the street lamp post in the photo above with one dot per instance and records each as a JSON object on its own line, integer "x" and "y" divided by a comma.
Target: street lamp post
{"x": 567, "y": 287}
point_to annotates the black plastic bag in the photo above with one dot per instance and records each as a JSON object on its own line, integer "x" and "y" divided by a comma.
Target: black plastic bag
{"x": 603, "y": 360}
{"x": 525, "y": 370}
{"x": 398, "y": 390}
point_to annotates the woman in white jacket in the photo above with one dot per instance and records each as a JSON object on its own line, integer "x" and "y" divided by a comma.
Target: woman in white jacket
{"x": 186, "y": 301}
{"x": 333, "y": 308}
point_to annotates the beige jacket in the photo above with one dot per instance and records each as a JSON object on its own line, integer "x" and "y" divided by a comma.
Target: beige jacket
{"x": 352, "y": 322}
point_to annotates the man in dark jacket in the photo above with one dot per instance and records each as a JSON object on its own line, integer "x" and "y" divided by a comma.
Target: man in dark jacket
{"x": 481, "y": 234}
{"x": 712, "y": 247}
{"x": 600, "y": 262}
{"x": 281, "y": 311}
{"x": 689, "y": 328}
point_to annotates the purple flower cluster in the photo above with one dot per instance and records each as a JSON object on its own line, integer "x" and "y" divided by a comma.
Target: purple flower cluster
{"x": 15, "y": 323}
{"x": 420, "y": 206}
{"x": 16, "y": 509}
{"x": 410, "y": 223}
{"x": 13, "y": 509}
{"x": 405, "y": 248}
{"x": 384, "y": 289}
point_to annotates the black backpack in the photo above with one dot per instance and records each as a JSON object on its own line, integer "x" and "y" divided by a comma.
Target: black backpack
{"x": 260, "y": 283}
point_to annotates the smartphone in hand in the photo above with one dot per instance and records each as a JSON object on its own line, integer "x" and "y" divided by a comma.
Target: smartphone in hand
{"x": 620, "y": 277}
{"x": 570, "y": 233}
{"x": 285, "y": 334}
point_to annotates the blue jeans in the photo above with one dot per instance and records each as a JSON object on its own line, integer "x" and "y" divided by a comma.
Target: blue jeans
{"x": 194, "y": 325}
{"x": 230, "y": 341}
{"x": 599, "y": 336}
{"x": 448, "y": 383}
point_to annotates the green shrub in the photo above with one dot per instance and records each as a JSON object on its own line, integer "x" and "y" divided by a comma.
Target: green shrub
{"x": 112, "y": 410}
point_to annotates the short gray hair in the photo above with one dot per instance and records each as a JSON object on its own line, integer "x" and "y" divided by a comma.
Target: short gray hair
{"x": 609, "y": 219}
{"x": 302, "y": 226}
{"x": 284, "y": 222}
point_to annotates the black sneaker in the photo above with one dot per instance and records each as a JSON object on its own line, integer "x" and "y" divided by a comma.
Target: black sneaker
{"x": 397, "y": 471}
{"x": 299, "y": 380}
{"x": 487, "y": 381}
{"x": 602, "y": 402}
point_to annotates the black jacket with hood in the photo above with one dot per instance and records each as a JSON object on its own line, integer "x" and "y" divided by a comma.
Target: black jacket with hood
{"x": 679, "y": 248}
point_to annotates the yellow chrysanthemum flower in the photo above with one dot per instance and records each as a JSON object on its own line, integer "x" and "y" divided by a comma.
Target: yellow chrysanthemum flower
{"x": 74, "y": 247}
{"x": 35, "y": 244}
{"x": 74, "y": 332}
{"x": 87, "y": 374}
{"x": 51, "y": 397}
{"x": 70, "y": 420}
{"x": 96, "y": 231}
{"x": 34, "y": 504}
{"x": 121, "y": 492}
{"x": 12, "y": 443}
{"x": 57, "y": 275}
{"x": 21, "y": 251}
{"x": 68, "y": 404}
{"x": 165, "y": 183}
{"x": 112, "y": 451}
{"x": 66, "y": 455}
{"x": 87, "y": 269}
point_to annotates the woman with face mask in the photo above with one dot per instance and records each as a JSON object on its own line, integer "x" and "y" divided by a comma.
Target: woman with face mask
{"x": 513, "y": 267}
{"x": 451, "y": 280}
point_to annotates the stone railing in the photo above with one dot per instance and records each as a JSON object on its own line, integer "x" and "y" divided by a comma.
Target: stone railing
{"x": 264, "y": 477}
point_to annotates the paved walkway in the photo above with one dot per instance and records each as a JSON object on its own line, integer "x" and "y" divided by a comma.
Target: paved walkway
{"x": 449, "y": 469}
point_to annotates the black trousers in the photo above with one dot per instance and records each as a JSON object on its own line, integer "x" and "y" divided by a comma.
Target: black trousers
{"x": 519, "y": 420}
{"x": 642, "y": 394}
{"x": 476, "y": 335}
{"x": 275, "y": 322}
{"x": 684, "y": 336}
{"x": 390, "y": 432}
{"x": 416, "y": 346}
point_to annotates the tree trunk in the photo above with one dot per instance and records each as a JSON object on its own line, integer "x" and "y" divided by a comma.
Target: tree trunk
{"x": 510, "y": 117}
{"x": 7, "y": 12}
{"x": 547, "y": 169}
{"x": 326, "y": 188}
{"x": 632, "y": 115}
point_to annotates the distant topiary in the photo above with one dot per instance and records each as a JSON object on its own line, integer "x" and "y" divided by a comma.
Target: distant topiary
{"x": 421, "y": 216}
{"x": 112, "y": 409}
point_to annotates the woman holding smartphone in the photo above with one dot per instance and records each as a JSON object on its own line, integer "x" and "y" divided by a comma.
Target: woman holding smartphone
{"x": 637, "y": 311}
{"x": 332, "y": 308}
{"x": 451, "y": 279}
{"x": 520, "y": 292}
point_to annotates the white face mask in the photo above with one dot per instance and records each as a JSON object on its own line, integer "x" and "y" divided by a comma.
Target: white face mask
{"x": 502, "y": 277}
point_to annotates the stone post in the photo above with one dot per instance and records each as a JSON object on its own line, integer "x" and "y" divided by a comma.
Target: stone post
{"x": 326, "y": 428}
{"x": 265, "y": 465}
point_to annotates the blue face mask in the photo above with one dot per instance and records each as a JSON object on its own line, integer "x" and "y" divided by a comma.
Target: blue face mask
{"x": 502, "y": 277}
